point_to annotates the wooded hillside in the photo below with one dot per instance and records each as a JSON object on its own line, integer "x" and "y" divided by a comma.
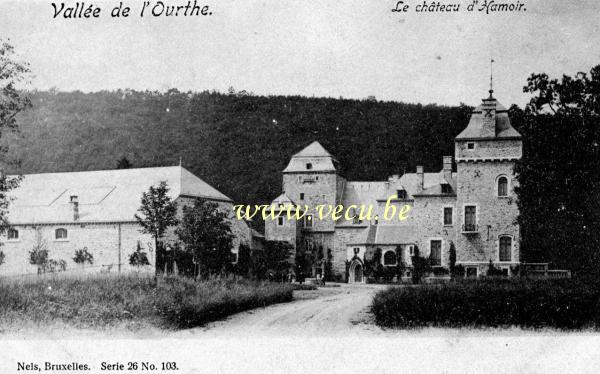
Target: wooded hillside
{"x": 238, "y": 143}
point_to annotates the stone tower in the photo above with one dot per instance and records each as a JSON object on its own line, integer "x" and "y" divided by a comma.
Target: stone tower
{"x": 485, "y": 153}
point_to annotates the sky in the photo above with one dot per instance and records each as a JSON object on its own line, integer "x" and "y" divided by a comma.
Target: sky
{"x": 349, "y": 48}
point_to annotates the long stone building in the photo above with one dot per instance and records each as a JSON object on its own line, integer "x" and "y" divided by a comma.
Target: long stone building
{"x": 473, "y": 208}
{"x": 64, "y": 212}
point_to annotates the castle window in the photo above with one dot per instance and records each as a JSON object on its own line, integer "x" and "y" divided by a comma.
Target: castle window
{"x": 12, "y": 234}
{"x": 435, "y": 252}
{"x": 447, "y": 216}
{"x": 308, "y": 166}
{"x": 502, "y": 186}
{"x": 505, "y": 248}
{"x": 279, "y": 221}
{"x": 389, "y": 258}
{"x": 470, "y": 146}
{"x": 61, "y": 234}
{"x": 301, "y": 195}
{"x": 401, "y": 194}
{"x": 411, "y": 250}
{"x": 470, "y": 218}
{"x": 446, "y": 188}
{"x": 308, "y": 222}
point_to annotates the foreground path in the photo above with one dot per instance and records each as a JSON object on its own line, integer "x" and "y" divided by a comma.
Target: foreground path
{"x": 327, "y": 311}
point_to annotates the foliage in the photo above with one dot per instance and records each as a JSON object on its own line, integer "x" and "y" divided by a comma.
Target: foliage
{"x": 13, "y": 73}
{"x": 158, "y": 214}
{"x": 124, "y": 163}
{"x": 564, "y": 304}
{"x": 39, "y": 256}
{"x": 135, "y": 301}
{"x": 138, "y": 257}
{"x": 420, "y": 266}
{"x": 559, "y": 183}
{"x": 206, "y": 233}
{"x": 452, "y": 257}
{"x": 400, "y": 266}
{"x": 2, "y": 257}
{"x": 458, "y": 271}
{"x": 493, "y": 271}
{"x": 243, "y": 266}
{"x": 277, "y": 259}
{"x": 82, "y": 256}
{"x": 328, "y": 274}
{"x": 372, "y": 265}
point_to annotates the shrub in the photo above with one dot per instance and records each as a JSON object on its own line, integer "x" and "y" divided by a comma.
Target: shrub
{"x": 565, "y": 304}
{"x": 2, "y": 257}
{"x": 420, "y": 267}
{"x": 439, "y": 271}
{"x": 139, "y": 257}
{"x": 82, "y": 256}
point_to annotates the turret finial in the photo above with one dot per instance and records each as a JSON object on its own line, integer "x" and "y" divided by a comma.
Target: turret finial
{"x": 491, "y": 77}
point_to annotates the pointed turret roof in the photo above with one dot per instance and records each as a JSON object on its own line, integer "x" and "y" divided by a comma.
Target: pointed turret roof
{"x": 312, "y": 158}
{"x": 314, "y": 149}
{"x": 489, "y": 121}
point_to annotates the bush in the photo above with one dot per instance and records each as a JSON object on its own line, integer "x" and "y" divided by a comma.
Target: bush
{"x": 82, "y": 256}
{"x": 139, "y": 257}
{"x": 565, "y": 304}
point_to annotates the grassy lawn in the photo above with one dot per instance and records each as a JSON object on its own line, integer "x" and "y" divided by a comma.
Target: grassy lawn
{"x": 130, "y": 300}
{"x": 562, "y": 304}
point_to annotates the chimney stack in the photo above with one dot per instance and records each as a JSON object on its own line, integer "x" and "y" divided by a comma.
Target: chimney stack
{"x": 75, "y": 202}
{"x": 419, "y": 179}
{"x": 448, "y": 168}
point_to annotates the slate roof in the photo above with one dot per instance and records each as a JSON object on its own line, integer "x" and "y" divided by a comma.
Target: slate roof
{"x": 476, "y": 129}
{"x": 316, "y": 155}
{"x": 103, "y": 195}
{"x": 395, "y": 234}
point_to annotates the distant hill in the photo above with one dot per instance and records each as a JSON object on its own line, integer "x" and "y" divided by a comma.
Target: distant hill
{"x": 238, "y": 143}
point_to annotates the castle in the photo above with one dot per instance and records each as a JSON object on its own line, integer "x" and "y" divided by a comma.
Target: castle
{"x": 472, "y": 209}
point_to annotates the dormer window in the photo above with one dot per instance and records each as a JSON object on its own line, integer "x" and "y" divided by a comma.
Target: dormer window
{"x": 471, "y": 146}
{"x": 401, "y": 194}
{"x": 12, "y": 235}
{"x": 446, "y": 188}
{"x": 309, "y": 166}
{"x": 280, "y": 221}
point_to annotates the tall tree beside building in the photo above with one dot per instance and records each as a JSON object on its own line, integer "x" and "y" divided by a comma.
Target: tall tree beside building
{"x": 124, "y": 163}
{"x": 158, "y": 213}
{"x": 13, "y": 73}
{"x": 559, "y": 178}
{"x": 206, "y": 232}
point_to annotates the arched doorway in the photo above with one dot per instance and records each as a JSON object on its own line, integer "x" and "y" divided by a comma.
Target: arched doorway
{"x": 355, "y": 272}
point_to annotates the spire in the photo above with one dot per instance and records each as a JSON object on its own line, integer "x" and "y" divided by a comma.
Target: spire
{"x": 491, "y": 78}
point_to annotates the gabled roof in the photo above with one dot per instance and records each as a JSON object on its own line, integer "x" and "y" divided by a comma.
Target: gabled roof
{"x": 314, "y": 149}
{"x": 395, "y": 234}
{"x": 282, "y": 202}
{"x": 103, "y": 195}
{"x": 477, "y": 129}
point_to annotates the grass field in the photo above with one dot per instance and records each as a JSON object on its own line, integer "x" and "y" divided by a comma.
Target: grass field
{"x": 132, "y": 300}
{"x": 561, "y": 304}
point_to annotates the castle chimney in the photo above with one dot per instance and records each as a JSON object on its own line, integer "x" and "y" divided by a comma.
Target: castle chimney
{"x": 448, "y": 168}
{"x": 419, "y": 179}
{"x": 75, "y": 202}
{"x": 488, "y": 110}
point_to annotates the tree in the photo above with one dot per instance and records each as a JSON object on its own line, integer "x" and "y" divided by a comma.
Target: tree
{"x": 244, "y": 261}
{"x": 124, "y": 163}
{"x": 559, "y": 182}
{"x": 159, "y": 213}
{"x": 39, "y": 256}
{"x": 138, "y": 257}
{"x": 13, "y": 73}
{"x": 277, "y": 259}
{"x": 452, "y": 259}
{"x": 205, "y": 231}
{"x": 82, "y": 256}
{"x": 2, "y": 257}
{"x": 420, "y": 266}
{"x": 328, "y": 267}
{"x": 400, "y": 267}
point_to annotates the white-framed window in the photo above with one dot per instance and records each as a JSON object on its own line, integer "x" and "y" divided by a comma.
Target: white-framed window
{"x": 470, "y": 146}
{"x": 470, "y": 220}
{"x": 12, "y": 235}
{"x": 61, "y": 234}
{"x": 505, "y": 248}
{"x": 502, "y": 186}
{"x": 280, "y": 221}
{"x": 389, "y": 258}
{"x": 308, "y": 220}
{"x": 448, "y": 216}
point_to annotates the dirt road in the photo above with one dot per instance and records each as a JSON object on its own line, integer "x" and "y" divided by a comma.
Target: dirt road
{"x": 327, "y": 311}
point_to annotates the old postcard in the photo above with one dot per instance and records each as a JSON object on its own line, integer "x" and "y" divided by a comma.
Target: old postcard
{"x": 192, "y": 186}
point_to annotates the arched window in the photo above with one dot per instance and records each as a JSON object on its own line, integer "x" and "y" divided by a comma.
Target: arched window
{"x": 502, "y": 186}
{"x": 60, "y": 234}
{"x": 13, "y": 234}
{"x": 389, "y": 258}
{"x": 505, "y": 248}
